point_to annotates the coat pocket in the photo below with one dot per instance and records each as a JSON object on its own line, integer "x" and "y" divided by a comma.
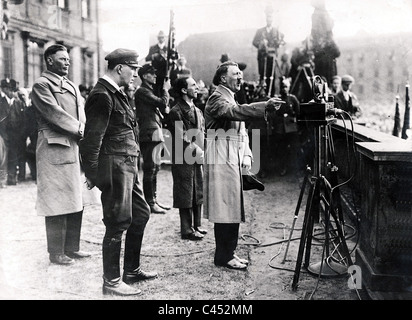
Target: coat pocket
{"x": 60, "y": 151}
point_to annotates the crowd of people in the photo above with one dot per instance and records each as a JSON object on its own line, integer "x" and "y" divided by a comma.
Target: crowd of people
{"x": 101, "y": 137}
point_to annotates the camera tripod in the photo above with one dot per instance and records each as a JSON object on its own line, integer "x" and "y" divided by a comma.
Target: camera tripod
{"x": 323, "y": 189}
{"x": 275, "y": 66}
{"x": 303, "y": 81}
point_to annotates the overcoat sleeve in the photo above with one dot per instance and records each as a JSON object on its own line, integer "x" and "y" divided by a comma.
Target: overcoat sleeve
{"x": 46, "y": 104}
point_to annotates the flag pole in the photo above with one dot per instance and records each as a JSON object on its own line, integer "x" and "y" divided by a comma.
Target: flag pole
{"x": 406, "y": 118}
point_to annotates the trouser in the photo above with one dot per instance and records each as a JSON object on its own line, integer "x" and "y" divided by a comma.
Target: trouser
{"x": 151, "y": 166}
{"x": 63, "y": 233}
{"x": 17, "y": 157}
{"x": 3, "y": 161}
{"x": 189, "y": 218}
{"x": 124, "y": 209}
{"x": 226, "y": 238}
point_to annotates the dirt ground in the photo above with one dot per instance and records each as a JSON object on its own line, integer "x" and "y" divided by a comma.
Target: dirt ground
{"x": 186, "y": 269}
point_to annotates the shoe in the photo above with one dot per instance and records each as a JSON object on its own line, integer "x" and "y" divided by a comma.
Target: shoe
{"x": 163, "y": 206}
{"x": 244, "y": 261}
{"x": 234, "y": 264}
{"x": 192, "y": 236}
{"x": 120, "y": 289}
{"x": 78, "y": 254}
{"x": 156, "y": 209}
{"x": 139, "y": 275}
{"x": 200, "y": 230}
{"x": 11, "y": 182}
{"x": 60, "y": 259}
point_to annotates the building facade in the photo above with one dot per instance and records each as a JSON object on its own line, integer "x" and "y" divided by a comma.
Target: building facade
{"x": 36, "y": 24}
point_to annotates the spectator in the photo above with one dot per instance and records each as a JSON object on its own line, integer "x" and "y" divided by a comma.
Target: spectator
{"x": 149, "y": 110}
{"x": 346, "y": 100}
{"x": 157, "y": 56}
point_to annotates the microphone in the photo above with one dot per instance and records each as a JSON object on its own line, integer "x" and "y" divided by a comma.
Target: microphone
{"x": 330, "y": 107}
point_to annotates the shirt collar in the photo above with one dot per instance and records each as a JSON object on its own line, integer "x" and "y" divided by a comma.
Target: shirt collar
{"x": 111, "y": 81}
{"x": 228, "y": 90}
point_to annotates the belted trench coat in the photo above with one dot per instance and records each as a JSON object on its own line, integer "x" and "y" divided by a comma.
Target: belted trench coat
{"x": 227, "y": 142}
{"x": 60, "y": 115}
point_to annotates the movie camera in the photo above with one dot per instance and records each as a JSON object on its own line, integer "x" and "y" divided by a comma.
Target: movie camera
{"x": 320, "y": 110}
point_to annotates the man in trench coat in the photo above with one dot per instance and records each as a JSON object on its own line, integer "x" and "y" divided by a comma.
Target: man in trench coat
{"x": 188, "y": 126}
{"x": 227, "y": 156}
{"x": 60, "y": 116}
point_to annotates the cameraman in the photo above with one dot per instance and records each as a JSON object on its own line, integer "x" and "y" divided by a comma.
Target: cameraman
{"x": 267, "y": 40}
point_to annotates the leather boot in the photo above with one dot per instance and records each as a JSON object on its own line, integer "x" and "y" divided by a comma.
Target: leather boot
{"x": 116, "y": 287}
{"x": 197, "y": 215}
{"x": 111, "y": 257}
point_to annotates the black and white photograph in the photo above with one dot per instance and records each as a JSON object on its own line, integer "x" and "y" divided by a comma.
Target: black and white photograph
{"x": 205, "y": 155}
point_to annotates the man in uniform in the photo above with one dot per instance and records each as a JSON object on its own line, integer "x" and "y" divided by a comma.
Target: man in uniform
{"x": 109, "y": 152}
{"x": 157, "y": 56}
{"x": 149, "y": 111}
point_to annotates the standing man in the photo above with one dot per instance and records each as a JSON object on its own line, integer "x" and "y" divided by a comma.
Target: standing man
{"x": 149, "y": 111}
{"x": 158, "y": 57}
{"x": 346, "y": 100}
{"x": 60, "y": 118}
{"x": 109, "y": 153}
{"x": 8, "y": 87}
{"x": 188, "y": 126}
{"x": 228, "y": 156}
{"x": 267, "y": 40}
{"x": 16, "y": 122}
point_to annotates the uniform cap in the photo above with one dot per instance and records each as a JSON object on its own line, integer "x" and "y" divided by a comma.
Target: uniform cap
{"x": 9, "y": 83}
{"x": 147, "y": 68}
{"x": 123, "y": 56}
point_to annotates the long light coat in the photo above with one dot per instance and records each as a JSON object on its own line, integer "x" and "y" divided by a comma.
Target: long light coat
{"x": 222, "y": 185}
{"x": 61, "y": 118}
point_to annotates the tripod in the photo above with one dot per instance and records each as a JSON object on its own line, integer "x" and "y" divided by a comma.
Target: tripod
{"x": 272, "y": 54}
{"x": 302, "y": 81}
{"x": 322, "y": 190}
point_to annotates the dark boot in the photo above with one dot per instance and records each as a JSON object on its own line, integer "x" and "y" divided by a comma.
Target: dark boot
{"x": 111, "y": 257}
{"x": 132, "y": 271}
{"x": 197, "y": 216}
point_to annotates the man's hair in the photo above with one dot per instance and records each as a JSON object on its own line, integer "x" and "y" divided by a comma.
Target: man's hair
{"x": 181, "y": 83}
{"x": 222, "y": 70}
{"x": 53, "y": 49}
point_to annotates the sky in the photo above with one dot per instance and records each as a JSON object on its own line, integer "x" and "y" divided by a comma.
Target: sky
{"x": 135, "y": 23}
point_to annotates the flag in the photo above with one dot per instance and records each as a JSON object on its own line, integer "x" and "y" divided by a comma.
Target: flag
{"x": 397, "y": 125}
{"x": 406, "y": 118}
{"x": 171, "y": 46}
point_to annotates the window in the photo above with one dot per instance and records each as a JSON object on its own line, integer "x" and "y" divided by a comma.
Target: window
{"x": 34, "y": 61}
{"x": 7, "y": 65}
{"x": 63, "y": 4}
{"x": 85, "y": 9}
{"x": 88, "y": 68}
{"x": 7, "y": 62}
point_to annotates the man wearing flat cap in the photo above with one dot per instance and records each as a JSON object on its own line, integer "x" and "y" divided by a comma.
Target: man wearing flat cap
{"x": 346, "y": 100}
{"x": 149, "y": 111}
{"x": 157, "y": 56}
{"x": 109, "y": 151}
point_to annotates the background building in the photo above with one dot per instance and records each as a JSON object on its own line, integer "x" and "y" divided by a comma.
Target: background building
{"x": 36, "y": 24}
